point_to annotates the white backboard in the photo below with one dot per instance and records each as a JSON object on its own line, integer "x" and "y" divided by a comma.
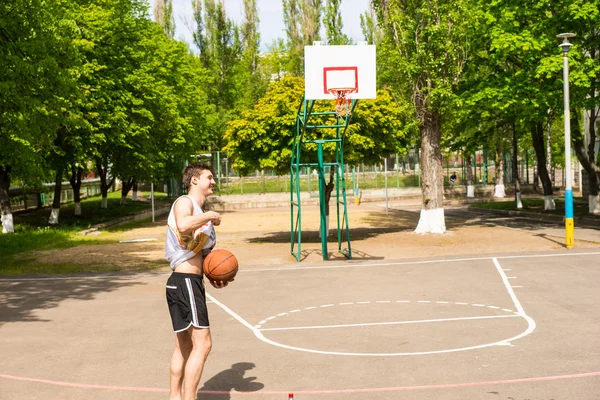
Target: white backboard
{"x": 327, "y": 67}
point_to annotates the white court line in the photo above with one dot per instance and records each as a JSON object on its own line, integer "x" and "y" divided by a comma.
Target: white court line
{"x": 505, "y": 342}
{"x": 511, "y": 293}
{"x": 290, "y": 268}
{"x": 261, "y": 337}
{"x": 388, "y": 323}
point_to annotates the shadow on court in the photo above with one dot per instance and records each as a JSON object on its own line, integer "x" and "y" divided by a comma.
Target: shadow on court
{"x": 219, "y": 386}
{"x": 357, "y": 254}
{"x": 21, "y": 299}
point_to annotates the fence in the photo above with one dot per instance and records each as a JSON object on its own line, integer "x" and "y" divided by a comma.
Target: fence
{"x": 23, "y": 198}
{"x": 402, "y": 171}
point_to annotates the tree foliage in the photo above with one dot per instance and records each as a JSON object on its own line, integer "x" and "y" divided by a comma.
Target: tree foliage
{"x": 97, "y": 85}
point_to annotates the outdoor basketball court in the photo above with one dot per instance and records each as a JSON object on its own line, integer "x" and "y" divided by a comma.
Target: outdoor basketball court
{"x": 516, "y": 326}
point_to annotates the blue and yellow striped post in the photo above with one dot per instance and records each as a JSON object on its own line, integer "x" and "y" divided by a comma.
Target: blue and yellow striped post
{"x": 569, "y": 224}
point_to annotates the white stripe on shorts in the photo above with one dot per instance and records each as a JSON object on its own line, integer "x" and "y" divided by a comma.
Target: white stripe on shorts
{"x": 188, "y": 283}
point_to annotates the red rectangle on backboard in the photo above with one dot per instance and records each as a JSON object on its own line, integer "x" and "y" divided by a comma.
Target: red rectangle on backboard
{"x": 327, "y": 70}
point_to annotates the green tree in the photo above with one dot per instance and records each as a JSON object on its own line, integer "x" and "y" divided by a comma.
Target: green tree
{"x": 293, "y": 30}
{"x": 370, "y": 29}
{"x": 35, "y": 51}
{"x": 424, "y": 49}
{"x": 163, "y": 15}
{"x": 334, "y": 24}
{"x": 251, "y": 78}
{"x": 582, "y": 18}
{"x": 218, "y": 39}
{"x": 311, "y": 20}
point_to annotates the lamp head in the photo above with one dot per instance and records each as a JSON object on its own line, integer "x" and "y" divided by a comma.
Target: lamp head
{"x": 565, "y": 45}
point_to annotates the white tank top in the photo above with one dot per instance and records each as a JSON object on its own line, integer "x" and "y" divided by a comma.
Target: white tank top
{"x": 181, "y": 247}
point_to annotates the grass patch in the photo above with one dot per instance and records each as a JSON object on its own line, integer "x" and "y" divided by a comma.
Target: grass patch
{"x": 32, "y": 232}
{"x": 580, "y": 206}
{"x": 91, "y": 213}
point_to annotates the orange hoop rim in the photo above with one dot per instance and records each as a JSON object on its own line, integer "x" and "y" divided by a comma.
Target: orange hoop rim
{"x": 342, "y": 94}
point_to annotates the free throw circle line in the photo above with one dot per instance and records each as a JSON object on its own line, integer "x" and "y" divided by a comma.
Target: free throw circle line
{"x": 260, "y": 336}
{"x": 388, "y": 323}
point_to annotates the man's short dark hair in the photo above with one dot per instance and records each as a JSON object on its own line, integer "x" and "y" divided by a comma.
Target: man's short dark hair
{"x": 193, "y": 169}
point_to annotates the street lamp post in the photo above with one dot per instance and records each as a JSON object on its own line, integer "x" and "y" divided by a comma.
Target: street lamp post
{"x": 569, "y": 224}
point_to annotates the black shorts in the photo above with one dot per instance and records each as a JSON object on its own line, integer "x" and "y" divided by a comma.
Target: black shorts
{"x": 187, "y": 301}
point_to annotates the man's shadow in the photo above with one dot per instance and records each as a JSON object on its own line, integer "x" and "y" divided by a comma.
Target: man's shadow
{"x": 219, "y": 387}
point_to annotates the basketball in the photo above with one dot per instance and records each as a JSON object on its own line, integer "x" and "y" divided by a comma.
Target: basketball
{"x": 220, "y": 265}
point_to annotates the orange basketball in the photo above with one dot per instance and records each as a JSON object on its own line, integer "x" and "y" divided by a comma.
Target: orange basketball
{"x": 220, "y": 265}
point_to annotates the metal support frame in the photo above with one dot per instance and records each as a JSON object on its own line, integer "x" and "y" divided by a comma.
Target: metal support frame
{"x": 305, "y": 112}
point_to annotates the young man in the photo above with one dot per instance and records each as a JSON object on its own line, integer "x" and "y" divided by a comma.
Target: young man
{"x": 190, "y": 236}
{"x": 453, "y": 178}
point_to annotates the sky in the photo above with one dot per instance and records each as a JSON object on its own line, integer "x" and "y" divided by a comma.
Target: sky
{"x": 271, "y": 18}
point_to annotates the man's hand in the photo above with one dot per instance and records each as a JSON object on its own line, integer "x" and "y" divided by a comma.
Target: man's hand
{"x": 215, "y": 217}
{"x": 219, "y": 284}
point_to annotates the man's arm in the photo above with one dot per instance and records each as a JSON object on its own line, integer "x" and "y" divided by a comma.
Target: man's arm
{"x": 186, "y": 222}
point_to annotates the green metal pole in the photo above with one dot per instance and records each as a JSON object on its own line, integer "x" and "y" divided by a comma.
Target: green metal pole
{"x": 322, "y": 204}
{"x": 219, "y": 170}
{"x": 527, "y": 164}
{"x": 397, "y": 172}
{"x": 419, "y": 164}
{"x": 227, "y": 174}
{"x": 474, "y": 168}
{"x": 485, "y": 168}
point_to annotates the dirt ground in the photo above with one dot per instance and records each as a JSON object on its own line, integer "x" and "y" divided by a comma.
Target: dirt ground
{"x": 261, "y": 237}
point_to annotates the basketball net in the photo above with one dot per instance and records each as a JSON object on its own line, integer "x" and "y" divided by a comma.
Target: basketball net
{"x": 343, "y": 98}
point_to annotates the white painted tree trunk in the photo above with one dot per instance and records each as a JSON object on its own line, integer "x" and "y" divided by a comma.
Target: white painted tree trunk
{"x": 53, "y": 220}
{"x": 431, "y": 221}
{"x": 549, "y": 203}
{"x": 326, "y": 227}
{"x": 78, "y": 208}
{"x": 7, "y": 223}
{"x": 470, "y": 191}
{"x": 499, "y": 191}
{"x": 594, "y": 204}
{"x": 134, "y": 195}
{"x": 123, "y": 199}
{"x": 104, "y": 203}
{"x": 519, "y": 202}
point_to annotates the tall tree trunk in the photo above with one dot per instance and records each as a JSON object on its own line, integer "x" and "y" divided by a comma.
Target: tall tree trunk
{"x": 7, "y": 217}
{"x": 470, "y": 186}
{"x": 432, "y": 182}
{"x": 54, "y": 213}
{"x": 75, "y": 180}
{"x": 549, "y": 150}
{"x": 126, "y": 186}
{"x": 104, "y": 184}
{"x": 499, "y": 191}
{"x": 587, "y": 158}
{"x": 135, "y": 190}
{"x": 537, "y": 139}
{"x": 328, "y": 190}
{"x": 515, "y": 167}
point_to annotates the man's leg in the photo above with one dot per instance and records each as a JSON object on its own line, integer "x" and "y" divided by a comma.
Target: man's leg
{"x": 183, "y": 347}
{"x": 201, "y": 345}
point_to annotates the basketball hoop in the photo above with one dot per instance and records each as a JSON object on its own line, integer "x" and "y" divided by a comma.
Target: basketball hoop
{"x": 343, "y": 98}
